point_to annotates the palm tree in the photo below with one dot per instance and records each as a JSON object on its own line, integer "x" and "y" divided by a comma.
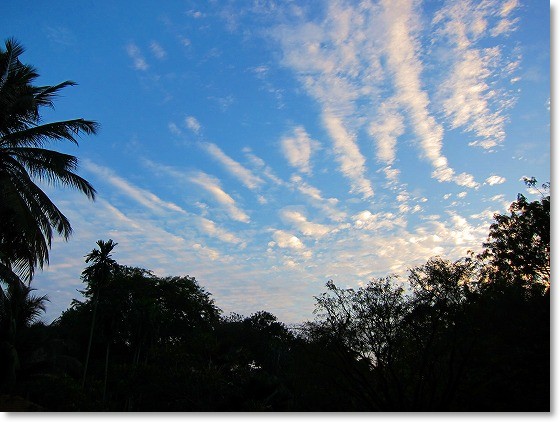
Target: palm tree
{"x": 28, "y": 218}
{"x": 97, "y": 275}
{"x": 18, "y": 310}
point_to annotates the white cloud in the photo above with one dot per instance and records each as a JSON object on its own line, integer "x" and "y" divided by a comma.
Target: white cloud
{"x": 297, "y": 219}
{"x": 210, "y": 253}
{"x": 403, "y": 197}
{"x": 240, "y": 172}
{"x": 392, "y": 174}
{"x": 157, "y": 50}
{"x": 212, "y": 185}
{"x": 138, "y": 59}
{"x": 505, "y": 25}
{"x": 142, "y": 196}
{"x": 192, "y": 123}
{"x": 469, "y": 98}
{"x": 210, "y": 228}
{"x": 500, "y": 198}
{"x": 352, "y": 162}
{"x": 337, "y": 62}
{"x": 287, "y": 240}
{"x": 196, "y": 14}
{"x": 315, "y": 198}
{"x": 260, "y": 71}
{"x": 61, "y": 35}
{"x": 298, "y": 148}
{"x": 403, "y": 61}
{"x": 365, "y": 220}
{"x": 263, "y": 167}
{"x": 467, "y": 180}
{"x": 386, "y": 129}
{"x": 185, "y": 42}
{"x": 173, "y": 128}
{"x": 495, "y": 180}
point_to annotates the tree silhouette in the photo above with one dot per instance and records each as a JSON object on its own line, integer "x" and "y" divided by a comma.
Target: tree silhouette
{"x": 465, "y": 335}
{"x": 518, "y": 246}
{"x": 19, "y": 308}
{"x": 28, "y": 218}
{"x": 97, "y": 275}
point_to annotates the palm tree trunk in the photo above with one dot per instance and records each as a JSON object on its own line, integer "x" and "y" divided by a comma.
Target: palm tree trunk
{"x": 90, "y": 340}
{"x": 106, "y": 369}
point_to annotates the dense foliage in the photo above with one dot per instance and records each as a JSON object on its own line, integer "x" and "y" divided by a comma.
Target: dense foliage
{"x": 453, "y": 336}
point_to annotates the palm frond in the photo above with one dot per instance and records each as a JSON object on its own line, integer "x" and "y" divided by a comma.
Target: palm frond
{"x": 24, "y": 307}
{"x": 28, "y": 218}
{"x": 44, "y": 95}
{"x": 53, "y": 167}
{"x": 38, "y": 136}
{"x": 7, "y": 276}
{"x": 8, "y": 58}
{"x": 23, "y": 245}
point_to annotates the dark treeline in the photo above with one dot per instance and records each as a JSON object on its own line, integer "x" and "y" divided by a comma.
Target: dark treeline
{"x": 469, "y": 335}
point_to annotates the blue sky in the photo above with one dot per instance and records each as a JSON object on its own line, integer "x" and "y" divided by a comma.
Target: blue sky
{"x": 265, "y": 147}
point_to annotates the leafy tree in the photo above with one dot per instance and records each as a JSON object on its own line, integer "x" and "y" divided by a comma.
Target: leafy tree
{"x": 511, "y": 363}
{"x": 518, "y": 245}
{"x": 28, "y": 218}
{"x": 402, "y": 349}
{"x": 437, "y": 337}
{"x": 159, "y": 331}
{"x": 362, "y": 327}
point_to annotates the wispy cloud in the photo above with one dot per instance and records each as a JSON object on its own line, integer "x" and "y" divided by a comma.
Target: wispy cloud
{"x": 404, "y": 63}
{"x": 297, "y": 149}
{"x": 210, "y": 228}
{"x": 467, "y": 180}
{"x": 469, "y": 98}
{"x": 209, "y": 183}
{"x": 261, "y": 165}
{"x": 241, "y": 173}
{"x": 386, "y": 129}
{"x": 352, "y": 162}
{"x": 315, "y": 198}
{"x": 138, "y": 60}
{"x": 61, "y": 35}
{"x": 495, "y": 180}
{"x": 365, "y": 220}
{"x": 141, "y": 196}
{"x": 206, "y": 251}
{"x": 173, "y": 128}
{"x": 212, "y": 186}
{"x": 506, "y": 24}
{"x": 196, "y": 14}
{"x": 285, "y": 239}
{"x": 192, "y": 123}
{"x": 337, "y": 61}
{"x": 157, "y": 50}
{"x": 297, "y": 219}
